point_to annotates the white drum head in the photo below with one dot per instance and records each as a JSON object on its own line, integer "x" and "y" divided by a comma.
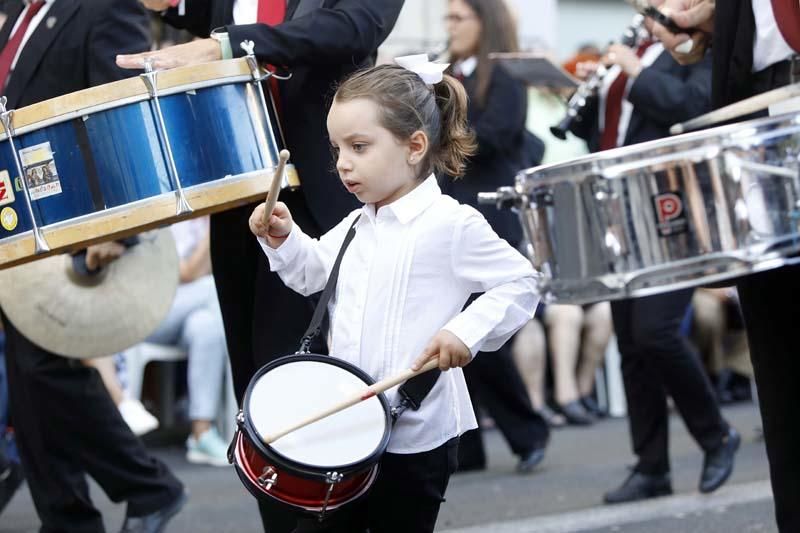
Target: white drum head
{"x": 297, "y": 390}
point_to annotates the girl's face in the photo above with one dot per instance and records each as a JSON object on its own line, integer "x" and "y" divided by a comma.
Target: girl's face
{"x": 463, "y": 29}
{"x": 372, "y": 164}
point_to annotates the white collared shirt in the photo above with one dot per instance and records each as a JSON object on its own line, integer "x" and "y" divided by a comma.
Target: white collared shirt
{"x": 467, "y": 66}
{"x": 31, "y": 28}
{"x": 245, "y": 11}
{"x": 770, "y": 46}
{"x": 407, "y": 275}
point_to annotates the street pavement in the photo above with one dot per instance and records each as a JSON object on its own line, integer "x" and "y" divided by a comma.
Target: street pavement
{"x": 564, "y": 494}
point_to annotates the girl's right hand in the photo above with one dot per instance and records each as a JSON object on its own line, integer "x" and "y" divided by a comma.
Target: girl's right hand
{"x": 278, "y": 226}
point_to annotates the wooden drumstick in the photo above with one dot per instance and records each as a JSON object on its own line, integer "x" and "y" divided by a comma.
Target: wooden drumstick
{"x": 275, "y": 187}
{"x": 739, "y": 109}
{"x": 369, "y": 392}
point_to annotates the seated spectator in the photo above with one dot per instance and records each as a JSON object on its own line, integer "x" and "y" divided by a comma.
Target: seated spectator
{"x": 718, "y": 332}
{"x": 577, "y": 337}
{"x": 195, "y": 323}
{"x": 529, "y": 351}
{"x": 133, "y": 412}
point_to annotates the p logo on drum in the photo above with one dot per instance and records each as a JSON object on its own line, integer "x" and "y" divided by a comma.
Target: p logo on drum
{"x": 670, "y": 213}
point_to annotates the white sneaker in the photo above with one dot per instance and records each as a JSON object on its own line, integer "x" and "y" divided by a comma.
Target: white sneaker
{"x": 137, "y": 417}
{"x": 207, "y": 449}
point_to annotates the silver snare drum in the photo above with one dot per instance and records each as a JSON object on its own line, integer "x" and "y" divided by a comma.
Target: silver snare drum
{"x": 664, "y": 215}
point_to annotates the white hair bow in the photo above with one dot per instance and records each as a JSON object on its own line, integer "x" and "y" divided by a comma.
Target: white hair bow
{"x": 431, "y": 73}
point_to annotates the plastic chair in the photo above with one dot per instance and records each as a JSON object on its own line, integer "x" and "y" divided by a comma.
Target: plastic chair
{"x": 137, "y": 358}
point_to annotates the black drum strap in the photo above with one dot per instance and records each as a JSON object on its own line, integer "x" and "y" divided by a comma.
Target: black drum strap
{"x": 412, "y": 391}
{"x": 322, "y": 306}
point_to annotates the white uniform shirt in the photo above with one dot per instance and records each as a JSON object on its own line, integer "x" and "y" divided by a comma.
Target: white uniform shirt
{"x": 407, "y": 274}
{"x": 39, "y": 17}
{"x": 770, "y": 46}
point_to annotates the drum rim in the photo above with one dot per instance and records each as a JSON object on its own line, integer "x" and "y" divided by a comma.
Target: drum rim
{"x": 247, "y": 481}
{"x": 126, "y": 91}
{"x": 304, "y": 469}
{"x": 567, "y": 170}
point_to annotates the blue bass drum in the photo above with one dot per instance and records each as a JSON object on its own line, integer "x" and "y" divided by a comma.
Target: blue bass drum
{"x": 120, "y": 158}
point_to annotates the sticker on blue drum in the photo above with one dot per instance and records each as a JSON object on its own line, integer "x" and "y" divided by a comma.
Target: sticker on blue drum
{"x": 670, "y": 213}
{"x": 40, "y": 171}
{"x": 9, "y": 219}
{"x": 6, "y": 188}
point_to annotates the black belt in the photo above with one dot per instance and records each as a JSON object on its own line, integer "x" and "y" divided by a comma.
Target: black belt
{"x": 777, "y": 75}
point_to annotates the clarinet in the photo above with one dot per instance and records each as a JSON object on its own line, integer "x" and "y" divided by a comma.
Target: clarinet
{"x": 577, "y": 104}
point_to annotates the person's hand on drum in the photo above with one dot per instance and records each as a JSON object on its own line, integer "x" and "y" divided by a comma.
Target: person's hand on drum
{"x": 277, "y": 228}
{"x": 451, "y": 351}
{"x": 191, "y": 53}
{"x": 100, "y": 255}
{"x": 694, "y": 15}
{"x": 625, "y": 57}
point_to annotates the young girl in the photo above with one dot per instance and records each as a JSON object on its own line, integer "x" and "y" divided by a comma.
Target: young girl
{"x": 416, "y": 258}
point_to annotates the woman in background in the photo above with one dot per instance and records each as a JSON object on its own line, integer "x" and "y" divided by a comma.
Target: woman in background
{"x": 497, "y": 113}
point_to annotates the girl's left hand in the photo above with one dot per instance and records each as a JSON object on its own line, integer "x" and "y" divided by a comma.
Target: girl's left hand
{"x": 451, "y": 351}
{"x": 625, "y": 57}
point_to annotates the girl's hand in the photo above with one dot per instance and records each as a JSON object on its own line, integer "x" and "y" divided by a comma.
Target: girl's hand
{"x": 278, "y": 227}
{"x": 450, "y": 350}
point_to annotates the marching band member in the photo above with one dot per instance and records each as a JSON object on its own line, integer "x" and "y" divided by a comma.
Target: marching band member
{"x": 646, "y": 92}
{"x": 497, "y": 112}
{"x": 755, "y": 48}
{"x": 416, "y": 259}
{"x": 66, "y": 424}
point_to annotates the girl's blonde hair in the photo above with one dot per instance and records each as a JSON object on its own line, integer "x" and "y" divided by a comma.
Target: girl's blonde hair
{"x": 408, "y": 105}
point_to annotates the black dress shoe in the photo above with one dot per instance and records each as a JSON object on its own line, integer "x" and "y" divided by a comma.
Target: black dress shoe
{"x": 529, "y": 461}
{"x": 640, "y": 486}
{"x": 591, "y": 406}
{"x": 10, "y": 479}
{"x": 155, "y": 522}
{"x": 576, "y": 414}
{"x": 718, "y": 464}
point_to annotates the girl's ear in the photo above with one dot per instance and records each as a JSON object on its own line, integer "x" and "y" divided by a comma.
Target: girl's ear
{"x": 417, "y": 147}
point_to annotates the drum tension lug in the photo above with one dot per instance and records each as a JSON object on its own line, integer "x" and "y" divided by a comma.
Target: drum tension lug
{"x": 331, "y": 478}
{"x": 268, "y": 478}
{"x": 399, "y": 409}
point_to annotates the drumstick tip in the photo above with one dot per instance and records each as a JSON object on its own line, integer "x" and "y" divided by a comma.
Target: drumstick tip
{"x": 676, "y": 129}
{"x": 284, "y": 155}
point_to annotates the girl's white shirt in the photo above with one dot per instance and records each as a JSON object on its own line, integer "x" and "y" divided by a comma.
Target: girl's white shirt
{"x": 406, "y": 275}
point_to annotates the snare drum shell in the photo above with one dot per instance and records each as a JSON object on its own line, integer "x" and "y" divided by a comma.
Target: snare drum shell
{"x": 107, "y": 166}
{"x": 303, "y": 486}
{"x": 664, "y": 215}
{"x": 271, "y": 455}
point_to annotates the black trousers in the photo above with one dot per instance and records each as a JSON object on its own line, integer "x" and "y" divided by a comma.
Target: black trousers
{"x": 769, "y": 301}
{"x": 263, "y": 318}
{"x": 405, "y": 498}
{"x": 67, "y": 426}
{"x": 656, "y": 361}
{"x": 495, "y": 384}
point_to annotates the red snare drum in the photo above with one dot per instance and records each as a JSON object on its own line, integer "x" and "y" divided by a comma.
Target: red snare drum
{"x": 324, "y": 465}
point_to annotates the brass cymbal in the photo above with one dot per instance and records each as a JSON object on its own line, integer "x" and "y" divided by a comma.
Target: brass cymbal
{"x": 81, "y": 316}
